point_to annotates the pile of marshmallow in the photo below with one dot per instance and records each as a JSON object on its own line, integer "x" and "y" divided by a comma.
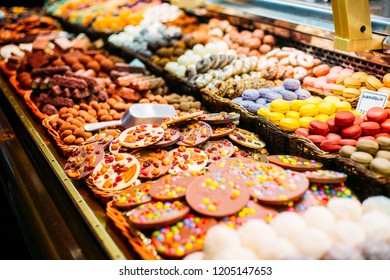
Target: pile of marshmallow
{"x": 343, "y": 230}
{"x": 150, "y": 31}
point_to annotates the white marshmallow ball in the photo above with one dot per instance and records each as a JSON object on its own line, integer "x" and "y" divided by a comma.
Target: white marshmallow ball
{"x": 235, "y": 253}
{"x": 255, "y": 233}
{"x": 288, "y": 224}
{"x": 218, "y": 238}
{"x": 379, "y": 203}
{"x": 349, "y": 232}
{"x": 313, "y": 242}
{"x": 345, "y": 208}
{"x": 319, "y": 217}
{"x": 278, "y": 249}
{"x": 196, "y": 256}
{"x": 376, "y": 224}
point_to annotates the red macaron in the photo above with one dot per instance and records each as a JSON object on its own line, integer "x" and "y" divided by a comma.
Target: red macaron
{"x": 318, "y": 127}
{"x": 344, "y": 118}
{"x": 302, "y": 131}
{"x": 385, "y": 126}
{"x": 348, "y": 142}
{"x": 351, "y": 132}
{"x": 370, "y": 128}
{"x": 332, "y": 126}
{"x": 367, "y": 138}
{"x": 316, "y": 139}
{"x": 358, "y": 120}
{"x": 333, "y": 136}
{"x": 331, "y": 146}
{"x": 383, "y": 134}
{"x": 376, "y": 114}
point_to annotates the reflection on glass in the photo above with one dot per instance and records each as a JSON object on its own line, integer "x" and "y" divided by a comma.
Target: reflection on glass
{"x": 378, "y": 7}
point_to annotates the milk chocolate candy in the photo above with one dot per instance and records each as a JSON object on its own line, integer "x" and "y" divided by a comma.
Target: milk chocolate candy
{"x": 194, "y": 133}
{"x": 217, "y": 194}
{"x": 156, "y": 214}
{"x": 154, "y": 163}
{"x": 49, "y": 71}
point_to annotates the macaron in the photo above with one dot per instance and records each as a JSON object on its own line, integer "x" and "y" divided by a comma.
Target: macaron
{"x": 333, "y": 136}
{"x": 291, "y": 84}
{"x": 305, "y": 121}
{"x": 321, "y": 70}
{"x": 367, "y": 137}
{"x": 383, "y": 154}
{"x": 376, "y": 114}
{"x": 385, "y": 126}
{"x": 308, "y": 110}
{"x": 373, "y": 83}
{"x": 348, "y": 142}
{"x": 271, "y": 96}
{"x": 351, "y": 132}
{"x": 347, "y": 71}
{"x": 309, "y": 81}
{"x": 350, "y": 92}
{"x": 380, "y": 166}
{"x": 343, "y": 106}
{"x": 332, "y": 126}
{"x": 362, "y": 158}
{"x": 295, "y": 105}
{"x": 331, "y": 146}
{"x": 344, "y": 118}
{"x": 328, "y": 87}
{"x": 368, "y": 146}
{"x": 279, "y": 105}
{"x": 336, "y": 69}
{"x": 288, "y": 95}
{"x": 351, "y": 82}
{"x": 338, "y": 89}
{"x": 358, "y": 120}
{"x": 302, "y": 131}
{"x": 302, "y": 94}
{"x": 318, "y": 127}
{"x": 386, "y": 80}
{"x": 316, "y": 139}
{"x": 326, "y": 108}
{"x": 250, "y": 94}
{"x": 332, "y": 77}
{"x": 346, "y": 151}
{"x": 288, "y": 124}
{"x": 370, "y": 128}
{"x": 382, "y": 134}
{"x": 384, "y": 143}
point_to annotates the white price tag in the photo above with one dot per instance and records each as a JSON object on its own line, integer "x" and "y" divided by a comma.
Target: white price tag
{"x": 369, "y": 99}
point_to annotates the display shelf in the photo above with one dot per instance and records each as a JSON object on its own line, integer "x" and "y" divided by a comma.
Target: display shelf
{"x": 60, "y": 217}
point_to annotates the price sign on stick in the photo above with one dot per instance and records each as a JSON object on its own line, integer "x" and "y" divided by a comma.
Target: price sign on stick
{"x": 369, "y": 99}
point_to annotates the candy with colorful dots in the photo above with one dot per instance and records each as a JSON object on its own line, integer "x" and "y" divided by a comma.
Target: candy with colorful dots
{"x": 218, "y": 149}
{"x": 184, "y": 237}
{"x": 217, "y": 194}
{"x": 326, "y": 176}
{"x": 155, "y": 214}
{"x": 133, "y": 196}
{"x": 294, "y": 162}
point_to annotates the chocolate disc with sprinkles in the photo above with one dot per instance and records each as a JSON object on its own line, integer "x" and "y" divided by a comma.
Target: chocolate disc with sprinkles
{"x": 183, "y": 238}
{"x": 222, "y": 130}
{"x": 247, "y": 138}
{"x": 217, "y": 194}
{"x": 252, "y": 210}
{"x": 83, "y": 160}
{"x": 133, "y": 196}
{"x": 222, "y": 164}
{"x": 141, "y": 135}
{"x": 156, "y": 214}
{"x": 295, "y": 163}
{"x": 187, "y": 159}
{"x": 172, "y": 187}
{"x": 219, "y": 118}
{"x": 194, "y": 133}
{"x": 171, "y": 136}
{"x": 116, "y": 172}
{"x": 277, "y": 189}
{"x": 326, "y": 176}
{"x": 154, "y": 163}
{"x": 218, "y": 149}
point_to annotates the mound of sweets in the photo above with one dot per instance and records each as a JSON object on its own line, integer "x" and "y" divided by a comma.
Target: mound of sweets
{"x": 345, "y": 81}
{"x": 178, "y": 200}
{"x": 344, "y": 229}
{"x": 348, "y": 129}
{"x": 20, "y": 24}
